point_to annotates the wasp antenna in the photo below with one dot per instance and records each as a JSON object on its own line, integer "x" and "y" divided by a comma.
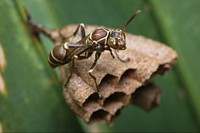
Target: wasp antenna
{"x": 132, "y": 17}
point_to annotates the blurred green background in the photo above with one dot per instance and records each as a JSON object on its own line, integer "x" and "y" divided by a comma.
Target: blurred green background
{"x": 32, "y": 99}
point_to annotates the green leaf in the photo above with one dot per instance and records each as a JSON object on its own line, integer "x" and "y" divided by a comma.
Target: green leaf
{"x": 179, "y": 23}
{"x": 34, "y": 99}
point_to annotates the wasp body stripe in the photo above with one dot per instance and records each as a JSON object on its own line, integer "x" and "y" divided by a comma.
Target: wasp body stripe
{"x": 52, "y": 54}
{"x": 65, "y": 45}
{"x": 51, "y": 63}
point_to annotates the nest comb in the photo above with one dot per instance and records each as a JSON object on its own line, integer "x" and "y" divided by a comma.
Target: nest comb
{"x": 120, "y": 84}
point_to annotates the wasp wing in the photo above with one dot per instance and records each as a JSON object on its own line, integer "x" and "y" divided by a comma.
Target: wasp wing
{"x": 76, "y": 45}
{"x": 78, "y": 49}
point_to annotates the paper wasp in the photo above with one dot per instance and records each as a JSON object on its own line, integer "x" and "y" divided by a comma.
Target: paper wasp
{"x": 98, "y": 41}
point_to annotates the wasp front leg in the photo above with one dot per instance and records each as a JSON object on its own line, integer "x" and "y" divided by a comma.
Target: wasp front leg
{"x": 125, "y": 60}
{"x": 111, "y": 53}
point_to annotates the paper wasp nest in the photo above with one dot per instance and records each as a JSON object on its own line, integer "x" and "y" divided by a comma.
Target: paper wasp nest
{"x": 120, "y": 83}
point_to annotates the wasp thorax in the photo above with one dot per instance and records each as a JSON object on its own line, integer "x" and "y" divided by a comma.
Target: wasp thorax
{"x": 99, "y": 36}
{"x": 117, "y": 39}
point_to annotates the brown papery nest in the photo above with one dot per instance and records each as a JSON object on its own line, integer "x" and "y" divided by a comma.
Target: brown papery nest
{"x": 120, "y": 84}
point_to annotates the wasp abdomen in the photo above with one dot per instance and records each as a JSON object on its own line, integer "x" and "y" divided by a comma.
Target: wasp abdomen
{"x": 57, "y": 56}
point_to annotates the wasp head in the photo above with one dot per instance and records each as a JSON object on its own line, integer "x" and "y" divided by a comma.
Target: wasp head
{"x": 117, "y": 39}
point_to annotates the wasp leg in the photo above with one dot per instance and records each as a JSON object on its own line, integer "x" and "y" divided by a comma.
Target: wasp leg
{"x": 75, "y": 57}
{"x": 97, "y": 55}
{"x": 72, "y": 67}
{"x": 82, "y": 27}
{"x": 110, "y": 50}
{"x": 127, "y": 59}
